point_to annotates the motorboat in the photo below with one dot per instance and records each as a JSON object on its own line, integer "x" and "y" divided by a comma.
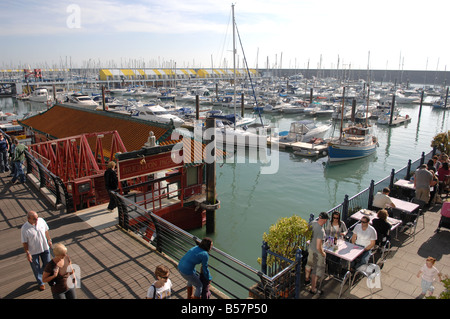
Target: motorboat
{"x": 294, "y": 107}
{"x": 230, "y": 119}
{"x": 239, "y": 136}
{"x": 81, "y": 100}
{"x": 7, "y": 117}
{"x": 303, "y": 131}
{"x": 155, "y": 113}
{"x": 40, "y": 95}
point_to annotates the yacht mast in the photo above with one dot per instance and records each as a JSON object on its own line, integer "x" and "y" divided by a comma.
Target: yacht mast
{"x": 234, "y": 65}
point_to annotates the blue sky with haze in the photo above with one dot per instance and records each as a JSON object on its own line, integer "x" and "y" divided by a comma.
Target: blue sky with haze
{"x": 197, "y": 33}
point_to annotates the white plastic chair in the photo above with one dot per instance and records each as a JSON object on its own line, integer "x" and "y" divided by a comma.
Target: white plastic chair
{"x": 372, "y": 272}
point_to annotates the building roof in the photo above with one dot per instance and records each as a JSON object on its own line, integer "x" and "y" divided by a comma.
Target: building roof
{"x": 62, "y": 121}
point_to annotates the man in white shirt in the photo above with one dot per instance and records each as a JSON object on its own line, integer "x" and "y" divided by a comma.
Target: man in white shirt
{"x": 36, "y": 243}
{"x": 382, "y": 200}
{"x": 364, "y": 235}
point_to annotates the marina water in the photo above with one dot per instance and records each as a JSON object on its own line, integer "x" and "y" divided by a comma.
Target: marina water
{"x": 251, "y": 202}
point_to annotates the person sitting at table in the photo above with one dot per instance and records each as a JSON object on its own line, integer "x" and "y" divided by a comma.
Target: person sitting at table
{"x": 382, "y": 200}
{"x": 431, "y": 165}
{"x": 335, "y": 227}
{"x": 381, "y": 226}
{"x": 365, "y": 236}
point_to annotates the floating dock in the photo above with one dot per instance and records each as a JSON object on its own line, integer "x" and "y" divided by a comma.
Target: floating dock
{"x": 397, "y": 121}
{"x": 301, "y": 148}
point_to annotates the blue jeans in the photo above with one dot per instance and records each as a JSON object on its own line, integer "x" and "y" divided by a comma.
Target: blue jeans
{"x": 36, "y": 267}
{"x": 69, "y": 294}
{"x": 194, "y": 280}
{"x": 363, "y": 259}
{"x": 18, "y": 172}
{"x": 4, "y": 161}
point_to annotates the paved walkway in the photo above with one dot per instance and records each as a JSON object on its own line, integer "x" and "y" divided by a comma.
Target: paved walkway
{"x": 113, "y": 264}
{"x": 116, "y": 266}
{"x": 398, "y": 273}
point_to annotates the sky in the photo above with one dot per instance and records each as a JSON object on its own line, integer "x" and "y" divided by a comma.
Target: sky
{"x": 350, "y": 34}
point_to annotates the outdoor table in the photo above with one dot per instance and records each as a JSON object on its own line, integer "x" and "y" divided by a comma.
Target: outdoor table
{"x": 395, "y": 223}
{"x": 403, "y": 183}
{"x": 406, "y": 209}
{"x": 406, "y": 187}
{"x": 346, "y": 251}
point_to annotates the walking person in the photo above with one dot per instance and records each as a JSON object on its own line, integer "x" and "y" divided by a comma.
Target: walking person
{"x": 111, "y": 184}
{"x": 18, "y": 159}
{"x": 315, "y": 266}
{"x": 429, "y": 273}
{"x": 162, "y": 287}
{"x": 36, "y": 242}
{"x": 4, "y": 148}
{"x": 59, "y": 274}
{"x": 196, "y": 255}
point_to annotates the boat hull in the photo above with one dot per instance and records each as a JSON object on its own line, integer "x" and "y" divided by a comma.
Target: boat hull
{"x": 338, "y": 152}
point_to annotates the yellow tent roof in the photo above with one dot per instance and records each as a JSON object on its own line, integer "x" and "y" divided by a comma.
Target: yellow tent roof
{"x": 127, "y": 72}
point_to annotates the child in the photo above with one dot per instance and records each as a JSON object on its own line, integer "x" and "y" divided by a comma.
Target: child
{"x": 162, "y": 287}
{"x": 429, "y": 273}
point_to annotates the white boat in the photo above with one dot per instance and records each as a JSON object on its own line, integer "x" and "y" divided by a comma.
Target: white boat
{"x": 356, "y": 141}
{"x": 228, "y": 135}
{"x": 117, "y": 91}
{"x": 81, "y": 100}
{"x": 155, "y": 113}
{"x": 229, "y": 119}
{"x": 302, "y": 131}
{"x": 7, "y": 117}
{"x": 40, "y": 95}
{"x": 294, "y": 107}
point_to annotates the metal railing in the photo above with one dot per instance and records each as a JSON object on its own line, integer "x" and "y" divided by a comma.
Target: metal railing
{"x": 46, "y": 179}
{"x": 364, "y": 198}
{"x": 230, "y": 275}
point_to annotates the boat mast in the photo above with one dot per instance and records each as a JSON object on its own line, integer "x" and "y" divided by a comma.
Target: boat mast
{"x": 234, "y": 65}
{"x": 368, "y": 89}
{"x": 342, "y": 112}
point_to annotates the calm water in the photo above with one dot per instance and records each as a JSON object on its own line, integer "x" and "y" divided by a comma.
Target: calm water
{"x": 251, "y": 202}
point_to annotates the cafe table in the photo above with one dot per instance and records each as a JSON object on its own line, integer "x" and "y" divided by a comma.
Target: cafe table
{"x": 395, "y": 223}
{"x": 403, "y": 183}
{"x": 346, "y": 251}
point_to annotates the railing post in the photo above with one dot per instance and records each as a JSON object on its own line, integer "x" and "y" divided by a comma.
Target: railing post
{"x": 122, "y": 212}
{"x": 422, "y": 158}
{"x": 159, "y": 237}
{"x": 298, "y": 272}
{"x": 264, "y": 247}
{"x": 41, "y": 177}
{"x": 345, "y": 208}
{"x": 57, "y": 191}
{"x": 391, "y": 182}
{"x": 408, "y": 171}
{"x": 371, "y": 191}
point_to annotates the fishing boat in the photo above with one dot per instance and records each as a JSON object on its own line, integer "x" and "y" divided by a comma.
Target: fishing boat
{"x": 356, "y": 141}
